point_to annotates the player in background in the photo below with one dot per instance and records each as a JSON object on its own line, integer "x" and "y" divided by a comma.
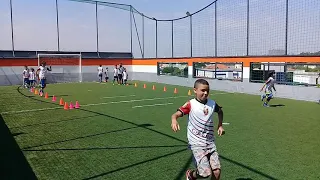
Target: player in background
{"x": 125, "y": 76}
{"x": 25, "y": 76}
{"x": 115, "y": 74}
{"x": 268, "y": 93}
{"x": 200, "y": 131}
{"x": 106, "y": 73}
{"x": 32, "y": 78}
{"x": 42, "y": 73}
{"x": 100, "y": 71}
{"x": 120, "y": 74}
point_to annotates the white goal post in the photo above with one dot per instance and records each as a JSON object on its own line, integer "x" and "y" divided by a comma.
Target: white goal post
{"x": 65, "y": 67}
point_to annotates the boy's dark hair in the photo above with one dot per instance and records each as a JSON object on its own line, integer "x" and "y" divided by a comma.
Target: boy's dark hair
{"x": 200, "y": 81}
{"x": 271, "y": 73}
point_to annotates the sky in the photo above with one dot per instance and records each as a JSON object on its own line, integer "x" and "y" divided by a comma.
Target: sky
{"x": 34, "y": 25}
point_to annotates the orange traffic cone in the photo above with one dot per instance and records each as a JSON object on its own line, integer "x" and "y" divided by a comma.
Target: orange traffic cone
{"x": 144, "y": 86}
{"x": 46, "y": 96}
{"x": 135, "y": 85}
{"x": 164, "y": 89}
{"x": 65, "y": 106}
{"x": 189, "y": 93}
{"x": 61, "y": 102}
{"x": 153, "y": 87}
{"x": 36, "y": 92}
{"x": 175, "y": 91}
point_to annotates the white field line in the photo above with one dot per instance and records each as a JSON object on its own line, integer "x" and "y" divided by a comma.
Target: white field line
{"x": 111, "y": 97}
{"x": 134, "y": 100}
{"x": 151, "y": 105}
{"x": 30, "y": 110}
{"x": 97, "y": 104}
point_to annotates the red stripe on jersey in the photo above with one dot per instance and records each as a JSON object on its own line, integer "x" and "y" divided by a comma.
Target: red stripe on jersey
{"x": 185, "y": 109}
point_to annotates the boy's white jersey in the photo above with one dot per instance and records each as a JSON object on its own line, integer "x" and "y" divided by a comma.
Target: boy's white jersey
{"x": 125, "y": 75}
{"x": 32, "y": 75}
{"x": 200, "y": 123}
{"x": 43, "y": 72}
{"x": 25, "y": 73}
{"x": 115, "y": 72}
{"x": 100, "y": 70}
{"x": 270, "y": 84}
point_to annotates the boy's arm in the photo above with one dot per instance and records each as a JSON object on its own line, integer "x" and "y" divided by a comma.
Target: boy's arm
{"x": 174, "y": 121}
{"x": 264, "y": 84}
{"x": 218, "y": 110}
{"x": 185, "y": 109}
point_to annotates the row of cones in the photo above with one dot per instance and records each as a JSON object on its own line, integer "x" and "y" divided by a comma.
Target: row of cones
{"x": 54, "y": 99}
{"x": 164, "y": 89}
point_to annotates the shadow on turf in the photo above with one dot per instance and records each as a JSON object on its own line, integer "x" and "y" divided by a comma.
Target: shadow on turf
{"x": 277, "y": 105}
{"x": 82, "y": 137}
{"x": 13, "y": 164}
{"x": 169, "y": 136}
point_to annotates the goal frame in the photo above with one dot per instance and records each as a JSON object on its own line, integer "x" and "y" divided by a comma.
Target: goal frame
{"x": 57, "y": 55}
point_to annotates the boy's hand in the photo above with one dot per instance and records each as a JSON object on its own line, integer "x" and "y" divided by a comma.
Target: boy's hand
{"x": 175, "y": 125}
{"x": 221, "y": 131}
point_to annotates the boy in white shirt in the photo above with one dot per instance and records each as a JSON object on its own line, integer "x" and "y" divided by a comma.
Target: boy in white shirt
{"x": 32, "y": 78}
{"x": 100, "y": 71}
{"x": 200, "y": 131}
{"x": 25, "y": 76}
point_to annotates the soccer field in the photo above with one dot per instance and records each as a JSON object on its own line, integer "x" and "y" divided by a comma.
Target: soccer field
{"x": 123, "y": 132}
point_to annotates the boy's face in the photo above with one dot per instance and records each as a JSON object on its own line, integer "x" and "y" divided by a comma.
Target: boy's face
{"x": 202, "y": 92}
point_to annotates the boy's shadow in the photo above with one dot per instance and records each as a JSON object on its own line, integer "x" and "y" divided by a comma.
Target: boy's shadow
{"x": 277, "y": 105}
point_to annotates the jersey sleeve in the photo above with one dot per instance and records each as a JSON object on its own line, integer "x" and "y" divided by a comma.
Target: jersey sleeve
{"x": 217, "y": 108}
{"x": 185, "y": 109}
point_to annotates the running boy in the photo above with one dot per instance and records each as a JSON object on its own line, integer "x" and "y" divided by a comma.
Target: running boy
{"x": 25, "y": 76}
{"x": 115, "y": 74}
{"x": 32, "y": 78}
{"x": 200, "y": 131}
{"x": 268, "y": 90}
{"x": 100, "y": 71}
{"x": 42, "y": 72}
{"x": 106, "y": 73}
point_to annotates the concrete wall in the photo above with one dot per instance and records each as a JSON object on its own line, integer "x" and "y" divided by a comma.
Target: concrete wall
{"x": 283, "y": 91}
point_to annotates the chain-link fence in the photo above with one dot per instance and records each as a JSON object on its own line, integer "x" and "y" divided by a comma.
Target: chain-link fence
{"x": 222, "y": 28}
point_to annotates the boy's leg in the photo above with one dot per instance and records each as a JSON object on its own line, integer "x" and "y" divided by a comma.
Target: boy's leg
{"x": 268, "y": 98}
{"x": 203, "y": 165}
{"x": 215, "y": 165}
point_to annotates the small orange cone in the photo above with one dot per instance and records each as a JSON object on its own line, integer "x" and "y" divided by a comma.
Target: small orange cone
{"x": 46, "y": 96}
{"x": 61, "y": 102}
{"x": 144, "y": 86}
{"x": 36, "y": 92}
{"x": 153, "y": 87}
{"x": 135, "y": 85}
{"x": 189, "y": 93}
{"x": 164, "y": 89}
{"x": 65, "y": 106}
{"x": 175, "y": 91}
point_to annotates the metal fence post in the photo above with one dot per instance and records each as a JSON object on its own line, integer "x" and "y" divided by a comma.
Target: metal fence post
{"x": 97, "y": 27}
{"x": 286, "y": 41}
{"x": 131, "y": 40}
{"x": 215, "y": 30}
{"x": 12, "y": 33}
{"x": 172, "y": 38}
{"x": 156, "y": 37}
{"x": 142, "y": 35}
{"x": 57, "y": 21}
{"x": 248, "y": 6}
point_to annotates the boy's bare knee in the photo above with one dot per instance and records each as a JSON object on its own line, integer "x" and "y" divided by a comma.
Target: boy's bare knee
{"x": 216, "y": 174}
